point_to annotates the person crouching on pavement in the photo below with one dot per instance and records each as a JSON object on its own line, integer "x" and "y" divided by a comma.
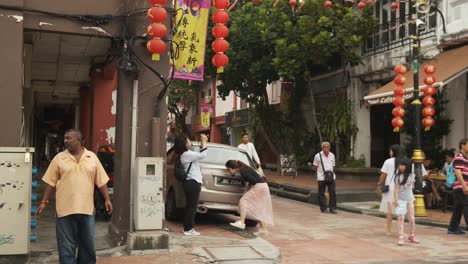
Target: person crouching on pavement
{"x": 256, "y": 202}
{"x": 404, "y": 200}
{"x": 324, "y": 162}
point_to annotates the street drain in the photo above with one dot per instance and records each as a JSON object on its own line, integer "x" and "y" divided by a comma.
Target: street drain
{"x": 233, "y": 253}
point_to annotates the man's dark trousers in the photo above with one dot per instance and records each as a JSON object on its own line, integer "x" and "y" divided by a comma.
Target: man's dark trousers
{"x": 322, "y": 185}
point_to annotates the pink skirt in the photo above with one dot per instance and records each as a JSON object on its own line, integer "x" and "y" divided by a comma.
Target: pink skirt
{"x": 257, "y": 203}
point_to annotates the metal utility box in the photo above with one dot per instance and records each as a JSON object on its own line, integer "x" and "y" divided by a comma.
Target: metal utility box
{"x": 15, "y": 200}
{"x": 148, "y": 193}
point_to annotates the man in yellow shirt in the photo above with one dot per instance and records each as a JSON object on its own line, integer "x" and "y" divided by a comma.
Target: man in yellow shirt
{"x": 72, "y": 174}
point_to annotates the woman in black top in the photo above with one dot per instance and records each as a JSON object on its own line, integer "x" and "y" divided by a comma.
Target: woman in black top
{"x": 256, "y": 202}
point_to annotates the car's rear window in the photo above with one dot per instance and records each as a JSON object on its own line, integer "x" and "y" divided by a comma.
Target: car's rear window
{"x": 222, "y": 155}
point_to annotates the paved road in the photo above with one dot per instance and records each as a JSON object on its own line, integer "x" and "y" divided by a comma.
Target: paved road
{"x": 304, "y": 235}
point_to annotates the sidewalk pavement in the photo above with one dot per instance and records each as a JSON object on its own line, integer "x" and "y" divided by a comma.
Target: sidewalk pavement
{"x": 306, "y": 182}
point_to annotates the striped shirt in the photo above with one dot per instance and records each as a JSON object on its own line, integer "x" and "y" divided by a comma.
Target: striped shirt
{"x": 460, "y": 162}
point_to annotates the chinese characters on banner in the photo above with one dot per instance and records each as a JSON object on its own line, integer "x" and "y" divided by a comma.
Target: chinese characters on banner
{"x": 191, "y": 39}
{"x": 205, "y": 115}
{"x": 205, "y": 120}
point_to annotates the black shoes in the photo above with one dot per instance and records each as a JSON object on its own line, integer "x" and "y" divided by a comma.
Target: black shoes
{"x": 329, "y": 211}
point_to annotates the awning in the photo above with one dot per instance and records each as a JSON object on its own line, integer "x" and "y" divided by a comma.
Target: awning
{"x": 450, "y": 65}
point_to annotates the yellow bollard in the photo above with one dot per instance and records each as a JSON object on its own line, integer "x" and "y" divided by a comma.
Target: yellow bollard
{"x": 419, "y": 209}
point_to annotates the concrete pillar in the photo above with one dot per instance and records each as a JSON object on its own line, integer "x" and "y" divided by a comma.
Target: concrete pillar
{"x": 11, "y": 68}
{"x": 146, "y": 113}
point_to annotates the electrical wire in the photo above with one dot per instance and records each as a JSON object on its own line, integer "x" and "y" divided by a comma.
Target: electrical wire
{"x": 127, "y": 63}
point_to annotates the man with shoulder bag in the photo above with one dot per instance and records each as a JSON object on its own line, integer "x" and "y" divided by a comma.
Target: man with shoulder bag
{"x": 324, "y": 162}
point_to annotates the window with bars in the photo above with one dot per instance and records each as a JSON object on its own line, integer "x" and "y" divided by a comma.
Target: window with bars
{"x": 396, "y": 27}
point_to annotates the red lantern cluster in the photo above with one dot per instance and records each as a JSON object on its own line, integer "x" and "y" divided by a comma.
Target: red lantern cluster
{"x": 399, "y": 91}
{"x": 156, "y": 30}
{"x": 429, "y": 101}
{"x": 220, "y": 32}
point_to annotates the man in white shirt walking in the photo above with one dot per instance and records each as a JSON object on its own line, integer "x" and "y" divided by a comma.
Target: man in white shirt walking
{"x": 324, "y": 162}
{"x": 250, "y": 148}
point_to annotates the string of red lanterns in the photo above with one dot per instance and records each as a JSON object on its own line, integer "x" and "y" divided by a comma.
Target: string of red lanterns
{"x": 220, "y": 32}
{"x": 429, "y": 101}
{"x": 156, "y": 30}
{"x": 399, "y": 91}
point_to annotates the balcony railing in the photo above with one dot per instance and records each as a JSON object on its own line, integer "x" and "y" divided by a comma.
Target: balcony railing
{"x": 396, "y": 33}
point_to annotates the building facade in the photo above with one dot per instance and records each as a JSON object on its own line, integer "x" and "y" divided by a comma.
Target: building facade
{"x": 60, "y": 71}
{"x": 371, "y": 89}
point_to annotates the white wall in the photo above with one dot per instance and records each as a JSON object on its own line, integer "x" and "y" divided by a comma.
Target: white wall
{"x": 362, "y": 144}
{"x": 225, "y": 106}
{"x": 455, "y": 15}
{"x": 457, "y": 110}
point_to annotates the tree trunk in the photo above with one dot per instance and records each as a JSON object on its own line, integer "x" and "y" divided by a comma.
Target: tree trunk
{"x": 272, "y": 146}
{"x": 314, "y": 110}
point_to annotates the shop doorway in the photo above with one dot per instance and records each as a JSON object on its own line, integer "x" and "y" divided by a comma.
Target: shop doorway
{"x": 58, "y": 68}
{"x": 382, "y": 135}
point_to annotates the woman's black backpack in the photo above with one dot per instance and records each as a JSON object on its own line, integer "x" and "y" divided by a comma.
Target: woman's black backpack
{"x": 179, "y": 171}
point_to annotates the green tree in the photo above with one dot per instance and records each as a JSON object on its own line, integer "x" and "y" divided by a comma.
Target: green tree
{"x": 181, "y": 97}
{"x": 271, "y": 43}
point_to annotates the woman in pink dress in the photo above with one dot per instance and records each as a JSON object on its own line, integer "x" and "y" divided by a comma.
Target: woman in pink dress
{"x": 256, "y": 202}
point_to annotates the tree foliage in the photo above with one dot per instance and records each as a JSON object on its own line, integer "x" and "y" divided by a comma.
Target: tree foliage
{"x": 271, "y": 43}
{"x": 181, "y": 98}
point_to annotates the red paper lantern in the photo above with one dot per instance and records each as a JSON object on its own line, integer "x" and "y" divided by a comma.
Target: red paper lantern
{"x": 398, "y": 101}
{"x": 219, "y": 45}
{"x": 219, "y": 61}
{"x": 361, "y": 5}
{"x": 221, "y": 4}
{"x": 157, "y": 30}
{"x": 292, "y": 3}
{"x": 220, "y": 31}
{"x": 428, "y": 101}
{"x": 400, "y": 69}
{"x": 429, "y": 80}
{"x": 157, "y": 14}
{"x": 397, "y": 123}
{"x": 394, "y": 5}
{"x": 220, "y": 17}
{"x": 328, "y": 4}
{"x": 429, "y": 90}
{"x": 427, "y": 122}
{"x": 428, "y": 111}
{"x": 399, "y": 79}
{"x": 399, "y": 90}
{"x": 157, "y": 2}
{"x": 398, "y": 111}
{"x": 429, "y": 69}
{"x": 156, "y": 46}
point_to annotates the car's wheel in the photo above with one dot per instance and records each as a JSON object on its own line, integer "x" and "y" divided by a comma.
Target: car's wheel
{"x": 172, "y": 212}
{"x": 250, "y": 222}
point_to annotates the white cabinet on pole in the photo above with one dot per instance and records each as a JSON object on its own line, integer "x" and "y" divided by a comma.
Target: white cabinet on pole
{"x": 15, "y": 200}
{"x": 148, "y": 210}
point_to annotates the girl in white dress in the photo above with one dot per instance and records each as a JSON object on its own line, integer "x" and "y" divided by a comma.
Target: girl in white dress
{"x": 387, "y": 178}
{"x": 404, "y": 199}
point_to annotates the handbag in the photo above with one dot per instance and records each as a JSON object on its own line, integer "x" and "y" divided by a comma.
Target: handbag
{"x": 386, "y": 187}
{"x": 329, "y": 175}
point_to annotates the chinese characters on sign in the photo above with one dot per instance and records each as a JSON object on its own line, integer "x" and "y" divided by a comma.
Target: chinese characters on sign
{"x": 190, "y": 38}
{"x": 205, "y": 120}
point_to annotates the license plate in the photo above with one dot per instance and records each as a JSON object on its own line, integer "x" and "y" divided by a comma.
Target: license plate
{"x": 227, "y": 181}
{"x": 110, "y": 190}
